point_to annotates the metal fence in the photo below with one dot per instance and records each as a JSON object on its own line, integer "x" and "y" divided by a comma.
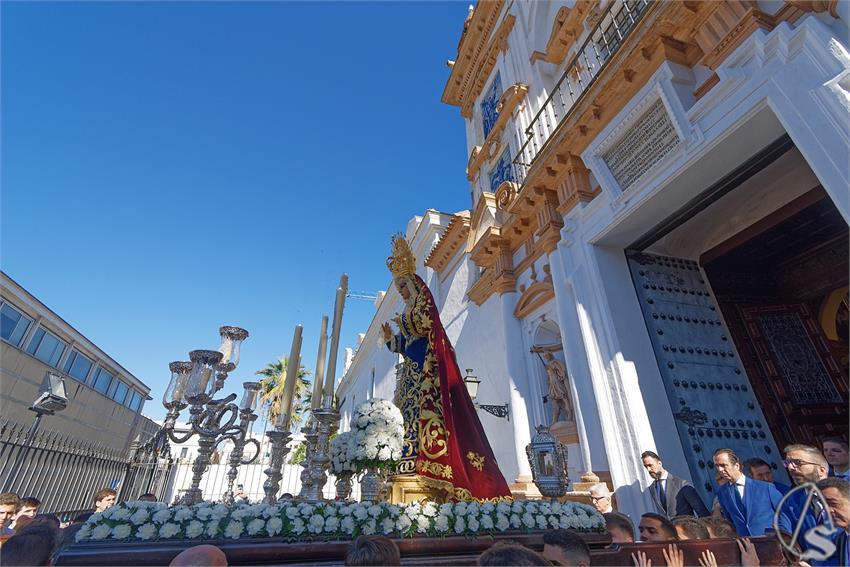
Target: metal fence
{"x": 64, "y": 472}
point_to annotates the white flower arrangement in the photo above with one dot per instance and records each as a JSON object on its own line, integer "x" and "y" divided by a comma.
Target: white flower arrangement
{"x": 340, "y": 454}
{"x": 330, "y": 520}
{"x": 377, "y": 432}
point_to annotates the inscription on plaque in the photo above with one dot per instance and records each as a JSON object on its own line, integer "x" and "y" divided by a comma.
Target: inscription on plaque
{"x": 642, "y": 146}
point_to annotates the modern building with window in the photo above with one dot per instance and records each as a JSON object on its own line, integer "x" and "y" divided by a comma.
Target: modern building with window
{"x": 105, "y": 400}
{"x": 659, "y": 202}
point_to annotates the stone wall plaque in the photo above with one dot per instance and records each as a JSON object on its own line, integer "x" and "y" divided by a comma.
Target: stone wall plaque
{"x": 649, "y": 139}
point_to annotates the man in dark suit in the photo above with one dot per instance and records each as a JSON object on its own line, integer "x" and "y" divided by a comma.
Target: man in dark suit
{"x": 672, "y": 496}
{"x": 836, "y": 492}
{"x": 749, "y": 504}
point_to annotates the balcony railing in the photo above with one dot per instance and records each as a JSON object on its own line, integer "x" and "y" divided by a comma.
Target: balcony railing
{"x": 618, "y": 21}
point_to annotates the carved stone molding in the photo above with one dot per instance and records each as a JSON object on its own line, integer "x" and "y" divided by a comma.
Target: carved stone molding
{"x": 482, "y": 289}
{"x": 452, "y": 240}
{"x": 575, "y": 187}
{"x": 498, "y": 44}
{"x": 537, "y": 294}
{"x": 830, "y": 6}
{"x": 567, "y": 27}
{"x": 505, "y": 194}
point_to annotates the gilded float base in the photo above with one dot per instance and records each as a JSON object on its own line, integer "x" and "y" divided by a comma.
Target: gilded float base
{"x": 408, "y": 488}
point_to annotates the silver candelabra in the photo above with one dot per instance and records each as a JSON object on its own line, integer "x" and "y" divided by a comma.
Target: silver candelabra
{"x": 194, "y": 384}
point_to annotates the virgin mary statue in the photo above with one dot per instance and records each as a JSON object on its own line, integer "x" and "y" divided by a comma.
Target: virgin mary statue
{"x": 444, "y": 443}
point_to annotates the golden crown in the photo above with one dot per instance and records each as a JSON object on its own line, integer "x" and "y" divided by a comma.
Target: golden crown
{"x": 401, "y": 263}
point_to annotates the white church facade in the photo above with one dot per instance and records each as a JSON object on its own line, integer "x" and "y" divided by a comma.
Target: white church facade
{"x": 660, "y": 202}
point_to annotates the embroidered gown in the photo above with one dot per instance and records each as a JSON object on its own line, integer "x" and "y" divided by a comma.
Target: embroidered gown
{"x": 444, "y": 442}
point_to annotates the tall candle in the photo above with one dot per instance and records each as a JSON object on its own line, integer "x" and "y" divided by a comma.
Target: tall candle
{"x": 339, "y": 305}
{"x": 320, "y": 365}
{"x": 285, "y": 415}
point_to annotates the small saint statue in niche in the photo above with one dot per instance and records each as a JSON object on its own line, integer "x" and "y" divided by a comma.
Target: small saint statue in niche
{"x": 558, "y": 394}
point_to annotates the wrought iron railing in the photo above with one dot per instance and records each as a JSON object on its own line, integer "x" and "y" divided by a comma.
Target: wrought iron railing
{"x": 603, "y": 42}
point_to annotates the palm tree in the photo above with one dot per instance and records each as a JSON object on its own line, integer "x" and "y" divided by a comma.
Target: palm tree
{"x": 272, "y": 384}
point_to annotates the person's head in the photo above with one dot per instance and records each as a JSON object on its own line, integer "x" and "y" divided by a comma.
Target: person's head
{"x": 9, "y": 503}
{"x": 758, "y": 469}
{"x": 688, "y": 527}
{"x": 103, "y": 499}
{"x": 28, "y": 507}
{"x": 718, "y": 527}
{"x": 600, "y": 496}
{"x": 199, "y": 556}
{"x": 510, "y": 554}
{"x": 836, "y": 452}
{"x": 836, "y": 491}
{"x": 51, "y": 520}
{"x": 372, "y": 550}
{"x": 563, "y": 547}
{"x": 652, "y": 463}
{"x": 34, "y": 545}
{"x": 655, "y": 527}
{"x": 805, "y": 463}
{"x": 147, "y": 497}
{"x": 727, "y": 464}
{"x": 620, "y": 527}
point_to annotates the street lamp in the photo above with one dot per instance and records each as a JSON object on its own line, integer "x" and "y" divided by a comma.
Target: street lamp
{"x": 548, "y": 460}
{"x": 472, "y": 383}
{"x": 47, "y": 403}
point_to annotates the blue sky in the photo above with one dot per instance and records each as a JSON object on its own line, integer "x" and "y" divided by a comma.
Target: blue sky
{"x": 171, "y": 167}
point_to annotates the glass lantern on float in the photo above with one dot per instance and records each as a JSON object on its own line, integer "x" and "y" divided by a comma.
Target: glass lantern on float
{"x": 548, "y": 460}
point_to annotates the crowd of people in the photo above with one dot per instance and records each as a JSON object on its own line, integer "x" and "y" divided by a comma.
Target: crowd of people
{"x": 748, "y": 502}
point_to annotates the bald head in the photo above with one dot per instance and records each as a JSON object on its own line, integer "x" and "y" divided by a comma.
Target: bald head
{"x": 200, "y": 556}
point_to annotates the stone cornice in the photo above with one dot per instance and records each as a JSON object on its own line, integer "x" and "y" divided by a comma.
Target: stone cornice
{"x": 453, "y": 239}
{"x": 566, "y": 29}
{"x": 534, "y": 296}
{"x": 492, "y": 147}
{"x": 482, "y": 289}
{"x": 475, "y": 60}
{"x": 483, "y": 253}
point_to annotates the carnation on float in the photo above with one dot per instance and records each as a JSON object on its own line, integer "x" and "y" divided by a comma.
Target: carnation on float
{"x": 101, "y": 532}
{"x": 147, "y": 531}
{"x": 274, "y": 526}
{"x": 122, "y": 531}
{"x": 441, "y": 523}
{"x": 403, "y": 523}
{"x": 169, "y": 529}
{"x": 347, "y": 524}
{"x": 487, "y": 522}
{"x": 331, "y": 524}
{"x": 387, "y": 526}
{"x": 516, "y": 522}
{"x": 182, "y": 513}
{"x": 360, "y": 512}
{"x": 375, "y": 510}
{"x": 472, "y": 524}
{"x": 139, "y": 517}
{"x": 161, "y": 516}
{"x": 460, "y": 525}
{"x": 298, "y": 526}
{"x": 369, "y": 527}
{"x": 234, "y": 529}
{"x": 317, "y": 523}
{"x": 213, "y": 528}
{"x": 502, "y": 522}
{"x": 254, "y": 526}
{"x": 194, "y": 529}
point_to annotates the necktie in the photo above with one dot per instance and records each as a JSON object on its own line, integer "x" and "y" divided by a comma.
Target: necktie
{"x": 662, "y": 495}
{"x": 739, "y": 498}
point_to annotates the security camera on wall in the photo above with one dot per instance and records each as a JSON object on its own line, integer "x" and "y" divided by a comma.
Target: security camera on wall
{"x": 54, "y": 399}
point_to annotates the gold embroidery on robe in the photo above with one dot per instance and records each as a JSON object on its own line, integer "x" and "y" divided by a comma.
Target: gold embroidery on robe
{"x": 476, "y": 460}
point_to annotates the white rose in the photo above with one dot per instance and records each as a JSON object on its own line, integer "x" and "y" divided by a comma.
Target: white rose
{"x": 234, "y": 529}
{"x": 169, "y": 529}
{"x": 255, "y": 525}
{"x": 122, "y": 531}
{"x": 101, "y": 532}
{"x": 146, "y": 531}
{"x": 194, "y": 529}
